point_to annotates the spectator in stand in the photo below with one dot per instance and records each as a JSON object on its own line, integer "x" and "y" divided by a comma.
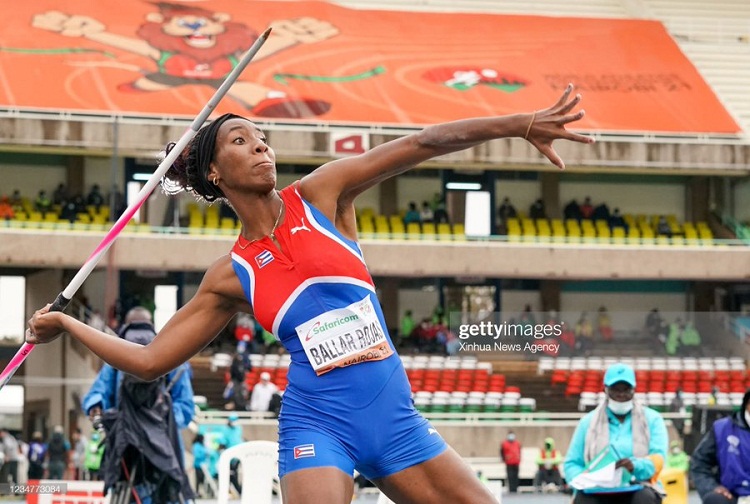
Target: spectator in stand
{"x": 601, "y": 212}
{"x": 412, "y": 214}
{"x": 232, "y": 436}
{"x": 505, "y": 211}
{"x": 440, "y": 214}
{"x": 636, "y": 433}
{"x": 42, "y": 203}
{"x": 527, "y": 316}
{"x": 237, "y": 388}
{"x": 95, "y": 197}
{"x": 60, "y": 195}
{"x": 548, "y": 473}
{"x": 584, "y": 335}
{"x": 572, "y": 210}
{"x": 425, "y": 334}
{"x": 11, "y": 456}
{"x": 78, "y": 453}
{"x": 57, "y": 454}
{"x": 16, "y": 201}
{"x": 510, "y": 454}
{"x": 604, "y": 325}
{"x": 200, "y": 459}
{"x": 587, "y": 209}
{"x": 426, "y": 214}
{"x": 677, "y": 405}
{"x": 244, "y": 331}
{"x": 720, "y": 465}
{"x": 653, "y": 322}
{"x": 407, "y": 329}
{"x": 37, "y": 454}
{"x": 263, "y": 393}
{"x": 674, "y": 337}
{"x": 663, "y": 228}
{"x": 617, "y": 220}
{"x": 69, "y": 211}
{"x": 537, "y": 210}
{"x": 6, "y": 209}
{"x": 691, "y": 340}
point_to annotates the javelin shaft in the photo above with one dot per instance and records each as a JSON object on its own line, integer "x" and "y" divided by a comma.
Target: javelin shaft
{"x": 67, "y": 294}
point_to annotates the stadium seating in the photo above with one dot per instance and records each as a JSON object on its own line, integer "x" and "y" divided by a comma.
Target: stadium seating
{"x": 658, "y": 378}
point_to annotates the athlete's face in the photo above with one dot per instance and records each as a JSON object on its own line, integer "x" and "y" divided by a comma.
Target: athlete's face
{"x": 243, "y": 159}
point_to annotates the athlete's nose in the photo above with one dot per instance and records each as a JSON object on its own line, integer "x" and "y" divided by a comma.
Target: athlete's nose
{"x": 261, "y": 147}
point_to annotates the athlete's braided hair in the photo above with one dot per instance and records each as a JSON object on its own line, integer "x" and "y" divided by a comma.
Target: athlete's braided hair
{"x": 189, "y": 172}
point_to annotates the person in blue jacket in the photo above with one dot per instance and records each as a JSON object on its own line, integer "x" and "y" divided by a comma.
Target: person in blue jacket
{"x": 103, "y": 394}
{"x": 720, "y": 465}
{"x": 636, "y": 433}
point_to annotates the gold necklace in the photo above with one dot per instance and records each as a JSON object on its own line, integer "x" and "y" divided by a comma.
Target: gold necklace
{"x": 270, "y": 235}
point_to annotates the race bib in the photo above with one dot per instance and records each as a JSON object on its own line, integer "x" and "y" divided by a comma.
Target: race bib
{"x": 344, "y": 336}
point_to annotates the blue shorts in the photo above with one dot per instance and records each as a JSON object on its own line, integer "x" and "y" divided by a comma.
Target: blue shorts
{"x": 378, "y": 439}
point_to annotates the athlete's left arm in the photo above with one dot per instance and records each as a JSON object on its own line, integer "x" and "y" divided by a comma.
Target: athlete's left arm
{"x": 333, "y": 187}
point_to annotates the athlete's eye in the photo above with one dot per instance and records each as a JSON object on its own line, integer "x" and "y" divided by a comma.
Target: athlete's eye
{"x": 238, "y": 140}
{"x": 264, "y": 140}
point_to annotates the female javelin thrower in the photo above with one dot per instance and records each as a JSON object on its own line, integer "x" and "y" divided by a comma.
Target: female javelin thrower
{"x": 298, "y": 267}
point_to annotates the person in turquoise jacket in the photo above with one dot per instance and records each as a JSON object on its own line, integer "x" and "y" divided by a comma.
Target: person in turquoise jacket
{"x": 637, "y": 434}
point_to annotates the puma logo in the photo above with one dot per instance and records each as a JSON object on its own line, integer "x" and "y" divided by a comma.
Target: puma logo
{"x": 300, "y": 228}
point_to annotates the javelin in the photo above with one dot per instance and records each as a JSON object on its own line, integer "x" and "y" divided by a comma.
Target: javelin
{"x": 67, "y": 294}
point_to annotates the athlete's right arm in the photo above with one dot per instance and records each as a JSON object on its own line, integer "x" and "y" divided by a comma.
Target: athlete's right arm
{"x": 218, "y": 299}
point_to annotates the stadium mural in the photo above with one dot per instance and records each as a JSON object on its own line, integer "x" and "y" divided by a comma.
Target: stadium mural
{"x": 327, "y": 63}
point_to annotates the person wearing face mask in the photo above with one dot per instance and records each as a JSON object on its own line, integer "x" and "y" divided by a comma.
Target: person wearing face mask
{"x": 548, "y": 462}
{"x": 720, "y": 465}
{"x": 510, "y": 453}
{"x": 636, "y": 433}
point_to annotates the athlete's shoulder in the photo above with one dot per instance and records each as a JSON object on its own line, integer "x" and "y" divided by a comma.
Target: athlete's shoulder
{"x": 221, "y": 279}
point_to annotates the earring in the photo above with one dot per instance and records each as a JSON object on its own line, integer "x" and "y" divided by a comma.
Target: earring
{"x": 216, "y": 181}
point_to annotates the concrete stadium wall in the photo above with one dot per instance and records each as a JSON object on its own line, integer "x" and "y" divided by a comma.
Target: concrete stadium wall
{"x": 27, "y": 248}
{"x": 139, "y": 137}
{"x": 469, "y": 440}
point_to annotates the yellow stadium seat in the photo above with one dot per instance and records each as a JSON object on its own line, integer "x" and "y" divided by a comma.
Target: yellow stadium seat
{"x": 618, "y": 235}
{"x": 366, "y": 225}
{"x": 634, "y": 236}
{"x": 227, "y": 226}
{"x": 459, "y": 232}
{"x": 429, "y": 231}
{"x": 398, "y": 230}
{"x": 382, "y": 228}
{"x": 413, "y": 231}
{"x": 366, "y": 211}
{"x": 444, "y": 231}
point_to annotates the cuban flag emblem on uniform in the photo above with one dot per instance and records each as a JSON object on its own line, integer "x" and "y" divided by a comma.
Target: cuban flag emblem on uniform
{"x": 303, "y": 451}
{"x": 264, "y": 258}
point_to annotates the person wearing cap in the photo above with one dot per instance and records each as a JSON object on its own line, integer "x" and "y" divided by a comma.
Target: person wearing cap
{"x": 263, "y": 392}
{"x": 637, "y": 434}
{"x": 720, "y": 465}
{"x": 232, "y": 434}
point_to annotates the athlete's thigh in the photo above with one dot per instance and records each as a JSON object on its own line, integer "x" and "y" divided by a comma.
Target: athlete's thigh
{"x": 320, "y": 485}
{"x": 445, "y": 479}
